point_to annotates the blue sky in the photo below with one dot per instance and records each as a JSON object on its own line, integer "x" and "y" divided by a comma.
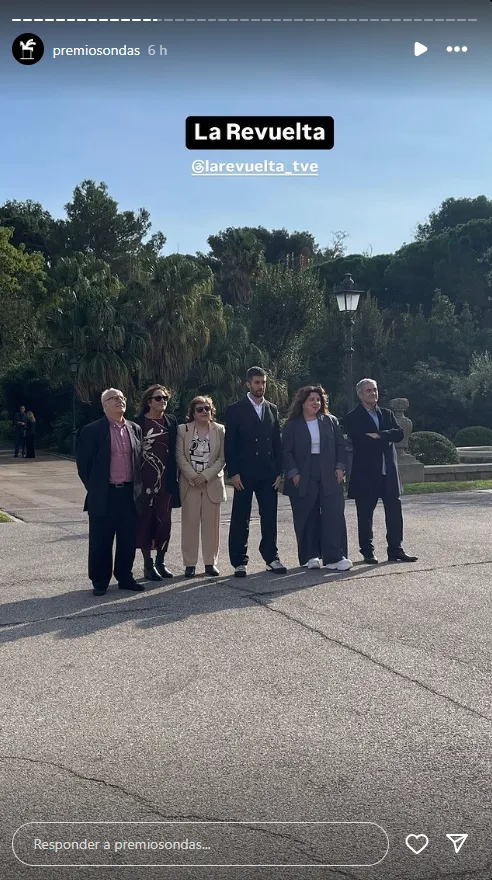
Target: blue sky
{"x": 406, "y": 136}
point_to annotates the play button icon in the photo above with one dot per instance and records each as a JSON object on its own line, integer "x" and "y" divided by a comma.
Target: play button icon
{"x": 419, "y": 49}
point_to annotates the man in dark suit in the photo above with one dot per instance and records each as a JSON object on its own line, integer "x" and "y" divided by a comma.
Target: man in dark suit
{"x": 253, "y": 453}
{"x": 374, "y": 473}
{"x": 108, "y": 463}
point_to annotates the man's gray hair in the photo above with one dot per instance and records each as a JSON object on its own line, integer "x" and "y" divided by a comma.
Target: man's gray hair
{"x": 109, "y": 393}
{"x": 363, "y": 382}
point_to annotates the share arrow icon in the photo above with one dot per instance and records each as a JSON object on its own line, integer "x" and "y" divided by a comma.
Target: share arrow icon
{"x": 457, "y": 840}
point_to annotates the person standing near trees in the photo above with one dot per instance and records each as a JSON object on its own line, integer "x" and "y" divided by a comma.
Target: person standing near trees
{"x": 374, "y": 473}
{"x": 30, "y": 435}
{"x": 200, "y": 459}
{"x": 253, "y": 453}
{"x": 20, "y": 427}
{"x": 159, "y": 479}
{"x": 108, "y": 463}
{"x": 314, "y": 466}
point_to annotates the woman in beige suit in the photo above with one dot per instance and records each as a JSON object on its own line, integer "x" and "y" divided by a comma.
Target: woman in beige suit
{"x": 200, "y": 459}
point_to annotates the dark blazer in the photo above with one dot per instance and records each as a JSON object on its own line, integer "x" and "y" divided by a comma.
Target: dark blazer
{"x": 365, "y": 476}
{"x": 171, "y": 470}
{"x": 20, "y": 429}
{"x": 296, "y": 442}
{"x": 94, "y": 462}
{"x": 253, "y": 447}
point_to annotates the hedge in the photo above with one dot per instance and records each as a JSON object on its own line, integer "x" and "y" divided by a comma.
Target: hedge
{"x": 476, "y": 435}
{"x": 432, "y": 448}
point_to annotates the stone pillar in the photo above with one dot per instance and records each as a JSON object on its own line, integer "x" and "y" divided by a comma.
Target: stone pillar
{"x": 411, "y": 470}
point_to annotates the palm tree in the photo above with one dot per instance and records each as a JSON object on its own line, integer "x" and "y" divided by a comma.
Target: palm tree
{"x": 95, "y": 324}
{"x": 222, "y": 371}
{"x": 180, "y": 310}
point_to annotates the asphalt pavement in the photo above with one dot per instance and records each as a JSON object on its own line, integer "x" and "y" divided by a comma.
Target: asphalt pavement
{"x": 313, "y": 697}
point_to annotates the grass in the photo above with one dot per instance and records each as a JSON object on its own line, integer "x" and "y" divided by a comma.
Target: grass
{"x": 446, "y": 486}
{"x": 4, "y": 517}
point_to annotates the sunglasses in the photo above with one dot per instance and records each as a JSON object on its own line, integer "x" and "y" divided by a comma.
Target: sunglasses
{"x": 201, "y": 409}
{"x": 115, "y": 397}
{"x": 160, "y": 397}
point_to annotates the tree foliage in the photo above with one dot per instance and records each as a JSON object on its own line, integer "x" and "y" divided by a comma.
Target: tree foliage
{"x": 90, "y": 299}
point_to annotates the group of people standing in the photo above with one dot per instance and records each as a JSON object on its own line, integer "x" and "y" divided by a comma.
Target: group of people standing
{"x": 25, "y": 432}
{"x": 136, "y": 472}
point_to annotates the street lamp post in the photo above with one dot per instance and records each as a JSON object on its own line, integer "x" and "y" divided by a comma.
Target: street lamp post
{"x": 74, "y": 366}
{"x": 348, "y": 299}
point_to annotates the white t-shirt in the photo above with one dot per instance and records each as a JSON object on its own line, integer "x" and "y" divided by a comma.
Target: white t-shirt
{"x": 258, "y": 406}
{"x": 313, "y": 426}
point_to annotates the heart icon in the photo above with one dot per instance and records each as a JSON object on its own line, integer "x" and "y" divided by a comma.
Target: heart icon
{"x": 417, "y": 842}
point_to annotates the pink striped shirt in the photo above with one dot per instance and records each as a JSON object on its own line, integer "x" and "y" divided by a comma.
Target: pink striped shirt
{"x": 121, "y": 467}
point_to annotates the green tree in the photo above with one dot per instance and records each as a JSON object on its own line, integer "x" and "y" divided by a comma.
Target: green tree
{"x": 286, "y": 303}
{"x": 180, "y": 309}
{"x": 281, "y": 246}
{"x": 436, "y": 403}
{"x": 96, "y": 227}
{"x": 237, "y": 258}
{"x": 454, "y": 212}
{"x": 221, "y": 372}
{"x": 93, "y": 324}
{"x": 32, "y": 227}
{"x": 370, "y": 340}
{"x": 23, "y": 296}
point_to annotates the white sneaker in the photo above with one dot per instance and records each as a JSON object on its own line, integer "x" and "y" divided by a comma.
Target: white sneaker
{"x": 313, "y": 563}
{"x": 240, "y": 571}
{"x": 277, "y": 566}
{"x": 343, "y": 564}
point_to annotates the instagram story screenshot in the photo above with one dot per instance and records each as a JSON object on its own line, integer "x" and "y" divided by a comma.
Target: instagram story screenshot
{"x": 246, "y": 439}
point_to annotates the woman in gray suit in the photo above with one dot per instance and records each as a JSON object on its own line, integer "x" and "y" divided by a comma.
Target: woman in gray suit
{"x": 314, "y": 466}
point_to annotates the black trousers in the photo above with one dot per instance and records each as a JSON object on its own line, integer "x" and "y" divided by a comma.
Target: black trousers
{"x": 20, "y": 443}
{"x": 319, "y": 521}
{"x": 120, "y": 520}
{"x": 30, "y": 450}
{"x": 267, "y": 498}
{"x": 366, "y": 506}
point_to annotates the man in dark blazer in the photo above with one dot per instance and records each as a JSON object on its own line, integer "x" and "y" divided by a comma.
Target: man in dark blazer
{"x": 253, "y": 454}
{"x": 373, "y": 432}
{"x": 108, "y": 463}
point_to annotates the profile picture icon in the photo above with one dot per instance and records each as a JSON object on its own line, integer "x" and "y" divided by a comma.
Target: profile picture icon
{"x": 28, "y": 49}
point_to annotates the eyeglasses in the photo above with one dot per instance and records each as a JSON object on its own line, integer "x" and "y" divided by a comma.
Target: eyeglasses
{"x": 160, "y": 397}
{"x": 201, "y": 409}
{"x": 116, "y": 397}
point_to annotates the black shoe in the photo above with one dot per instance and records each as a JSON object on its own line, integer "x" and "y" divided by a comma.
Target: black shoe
{"x": 371, "y": 560}
{"x": 212, "y": 570}
{"x": 190, "y": 571}
{"x": 99, "y": 589}
{"x": 401, "y": 556}
{"x": 161, "y": 569}
{"x": 131, "y": 585}
{"x": 151, "y": 573}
